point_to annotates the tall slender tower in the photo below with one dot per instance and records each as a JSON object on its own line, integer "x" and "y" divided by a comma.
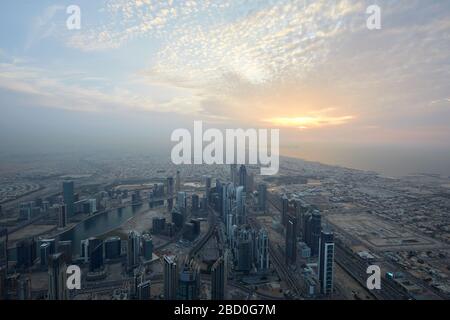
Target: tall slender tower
{"x": 243, "y": 177}
{"x": 170, "y": 277}
{"x": 263, "y": 250}
{"x": 62, "y": 216}
{"x": 133, "y": 249}
{"x": 68, "y": 197}
{"x": 178, "y": 182}
{"x": 189, "y": 282}
{"x": 219, "y": 278}
{"x": 240, "y": 206}
{"x": 57, "y": 287}
{"x": 326, "y": 262}
{"x": 316, "y": 228}
{"x": 291, "y": 240}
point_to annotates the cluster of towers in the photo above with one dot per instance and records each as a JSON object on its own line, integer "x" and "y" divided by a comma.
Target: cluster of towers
{"x": 303, "y": 222}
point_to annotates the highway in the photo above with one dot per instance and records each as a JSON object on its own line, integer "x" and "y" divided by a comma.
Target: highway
{"x": 357, "y": 267}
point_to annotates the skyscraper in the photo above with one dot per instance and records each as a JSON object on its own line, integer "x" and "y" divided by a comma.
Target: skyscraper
{"x": 57, "y": 287}
{"x": 326, "y": 262}
{"x": 170, "y": 278}
{"x": 316, "y": 228}
{"x": 170, "y": 186}
{"x": 189, "y": 282}
{"x": 26, "y": 253}
{"x": 208, "y": 187}
{"x": 263, "y": 251}
{"x": 243, "y": 177}
{"x": 24, "y": 288}
{"x": 112, "y": 248}
{"x": 65, "y": 247}
{"x": 62, "y": 216}
{"x": 96, "y": 257}
{"x": 144, "y": 290}
{"x": 244, "y": 249}
{"x": 262, "y": 196}
{"x": 285, "y": 209}
{"x": 219, "y": 278}
{"x": 3, "y": 247}
{"x": 233, "y": 174}
{"x": 147, "y": 246}
{"x": 68, "y": 197}
{"x": 291, "y": 240}
{"x": 133, "y": 249}
{"x": 240, "y": 206}
{"x": 182, "y": 202}
{"x": 3, "y": 282}
{"x": 195, "y": 203}
{"x": 178, "y": 182}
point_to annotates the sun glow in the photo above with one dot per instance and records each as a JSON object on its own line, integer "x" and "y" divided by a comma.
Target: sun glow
{"x": 307, "y": 122}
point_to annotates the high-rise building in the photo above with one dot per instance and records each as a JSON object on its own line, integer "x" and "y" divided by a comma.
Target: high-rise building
{"x": 285, "y": 209}
{"x": 208, "y": 180}
{"x": 3, "y": 282}
{"x": 158, "y": 225}
{"x": 316, "y": 228}
{"x": 262, "y": 196}
{"x": 3, "y": 247}
{"x": 233, "y": 174}
{"x": 170, "y": 190}
{"x": 241, "y": 217}
{"x": 112, "y": 248}
{"x": 244, "y": 249}
{"x": 177, "y": 218}
{"x": 170, "y": 277}
{"x": 84, "y": 250}
{"x": 326, "y": 262}
{"x": 26, "y": 253}
{"x": 189, "y": 281}
{"x": 44, "y": 252}
{"x": 182, "y": 202}
{"x": 133, "y": 249}
{"x": 65, "y": 247}
{"x": 291, "y": 241}
{"x": 263, "y": 251}
{"x": 144, "y": 290}
{"x": 24, "y": 288}
{"x": 51, "y": 242}
{"x": 62, "y": 216}
{"x": 147, "y": 246}
{"x": 178, "y": 182}
{"x": 96, "y": 258}
{"x": 243, "y": 177}
{"x": 219, "y": 276}
{"x": 195, "y": 203}
{"x": 69, "y": 197}
{"x": 250, "y": 182}
{"x": 57, "y": 277}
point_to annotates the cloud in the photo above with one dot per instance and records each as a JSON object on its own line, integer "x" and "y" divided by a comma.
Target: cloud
{"x": 44, "y": 88}
{"x": 43, "y": 26}
{"x": 295, "y": 63}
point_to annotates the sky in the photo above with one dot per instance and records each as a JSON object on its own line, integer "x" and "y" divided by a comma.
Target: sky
{"x": 136, "y": 70}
